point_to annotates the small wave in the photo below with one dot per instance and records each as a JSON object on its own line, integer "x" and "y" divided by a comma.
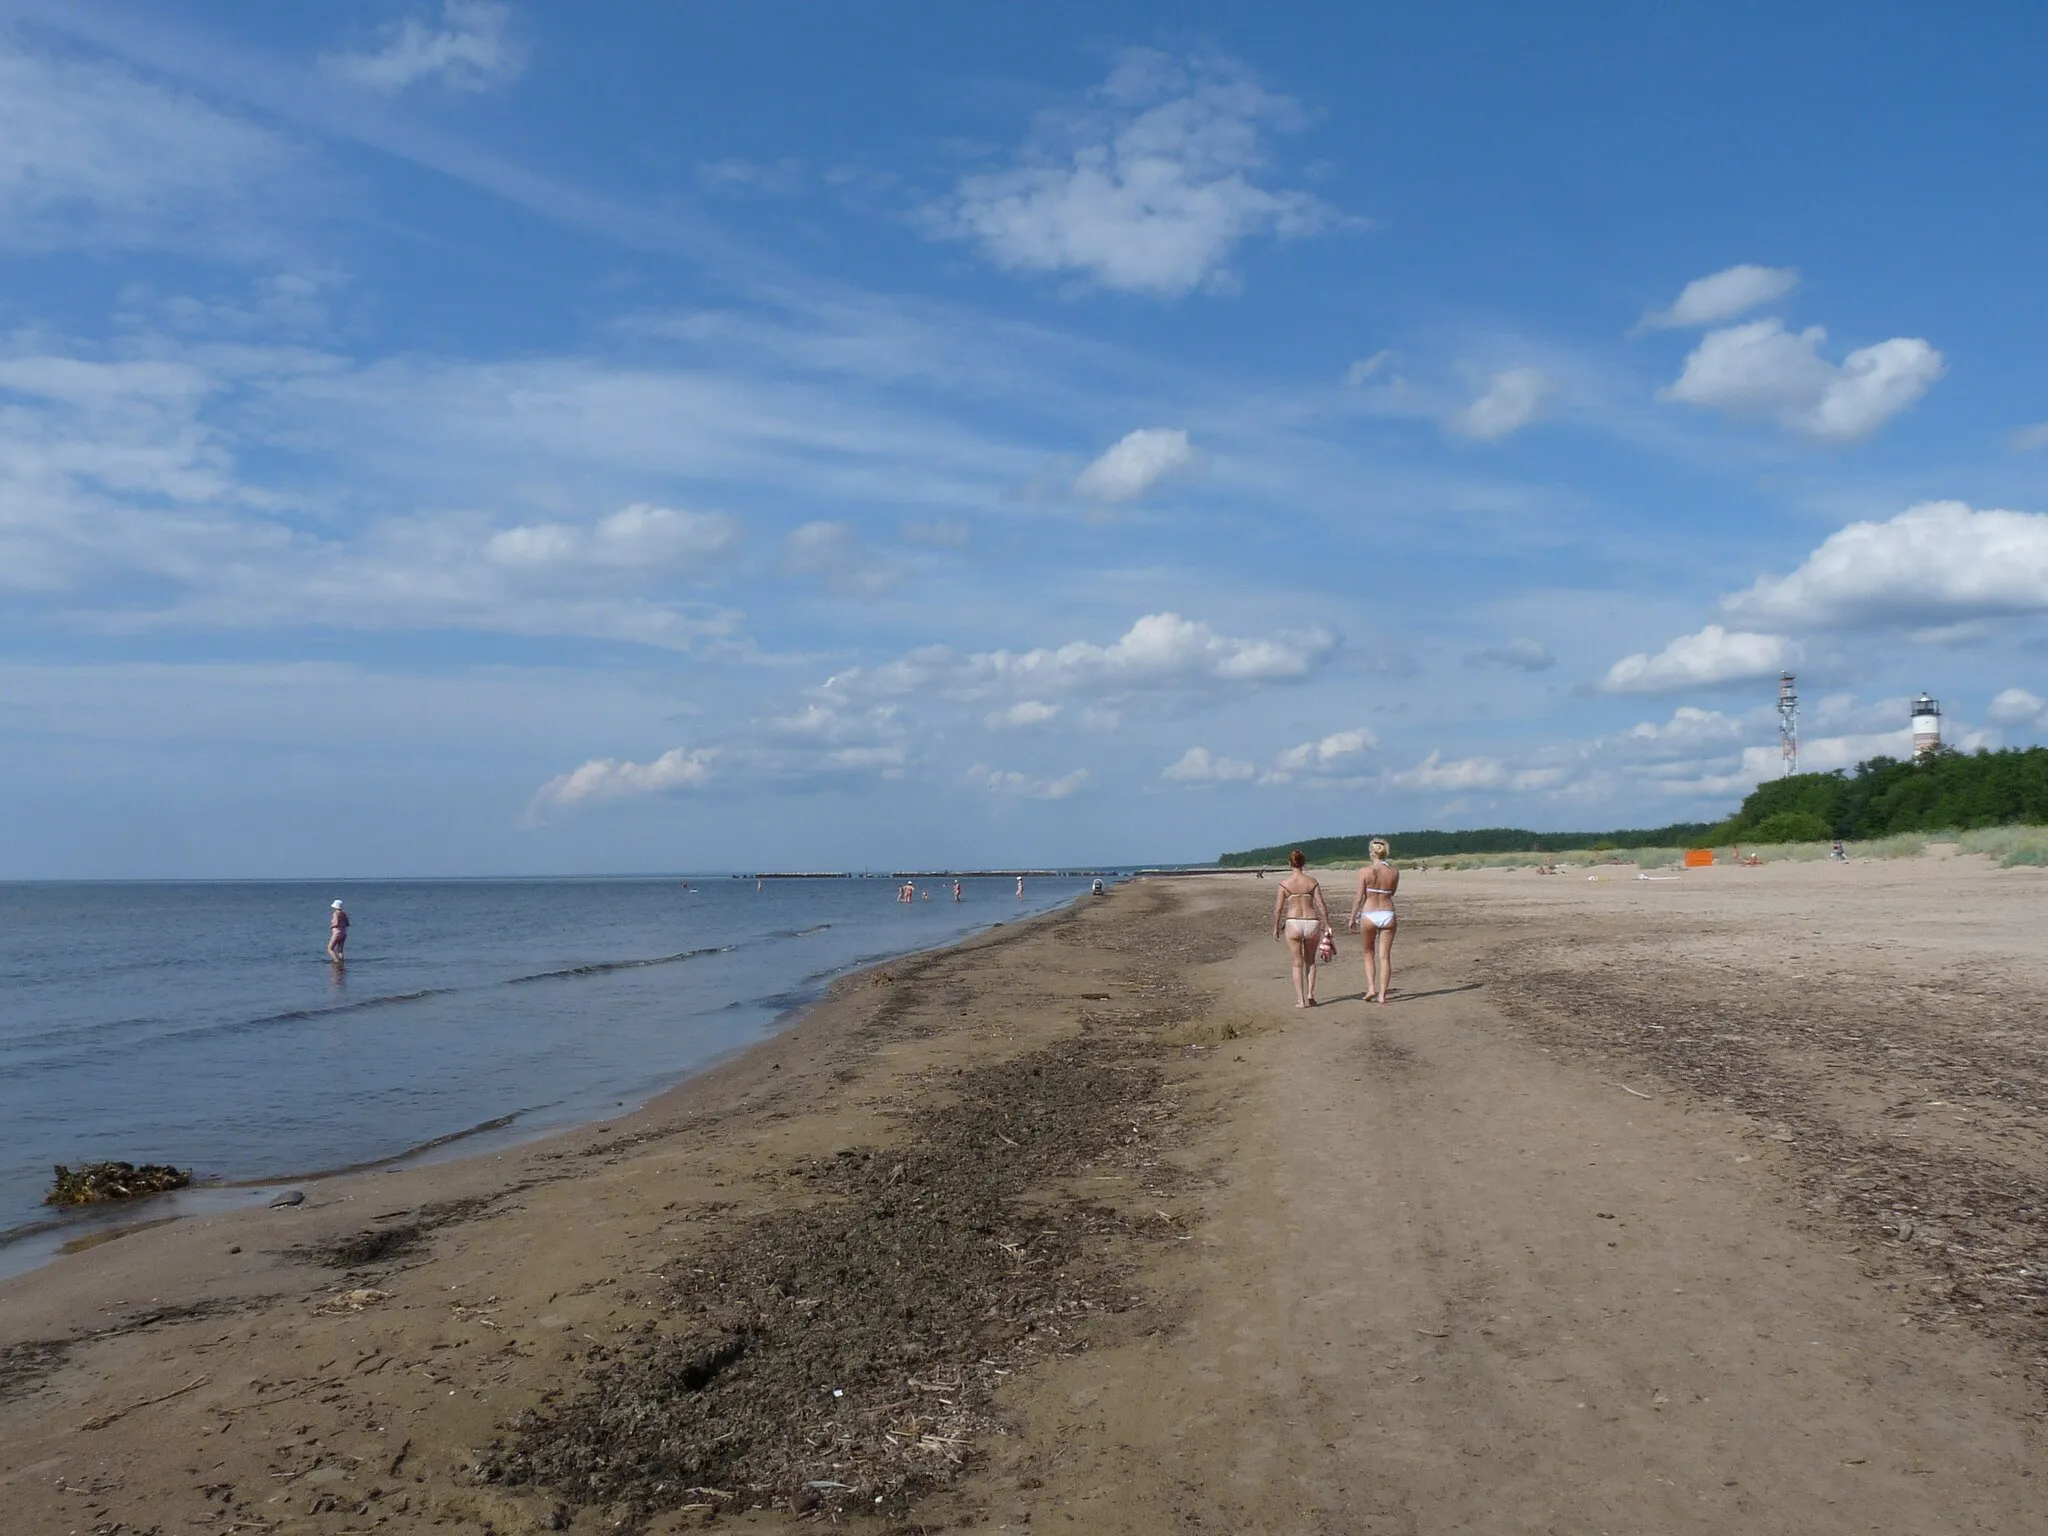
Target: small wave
{"x": 604, "y": 967}
{"x": 387, "y": 1000}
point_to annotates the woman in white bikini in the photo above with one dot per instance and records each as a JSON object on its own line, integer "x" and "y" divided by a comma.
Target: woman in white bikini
{"x": 1372, "y": 913}
{"x": 1300, "y": 917}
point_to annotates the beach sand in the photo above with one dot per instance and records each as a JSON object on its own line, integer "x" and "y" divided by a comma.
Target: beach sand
{"x": 1710, "y": 1204}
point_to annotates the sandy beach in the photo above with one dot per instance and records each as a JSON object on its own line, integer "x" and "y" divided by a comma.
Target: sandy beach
{"x": 1717, "y": 1203}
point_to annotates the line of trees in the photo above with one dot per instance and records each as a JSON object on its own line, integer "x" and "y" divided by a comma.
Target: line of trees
{"x": 1943, "y": 791}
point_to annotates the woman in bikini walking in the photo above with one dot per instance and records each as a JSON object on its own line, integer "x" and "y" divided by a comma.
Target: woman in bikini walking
{"x": 1372, "y": 913}
{"x": 1300, "y": 918}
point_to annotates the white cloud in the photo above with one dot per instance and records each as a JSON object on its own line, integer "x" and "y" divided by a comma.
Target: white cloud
{"x": 1511, "y": 400}
{"x": 1148, "y": 191}
{"x": 1366, "y": 368}
{"x": 1321, "y": 756}
{"x": 1161, "y": 652}
{"x": 1197, "y": 766}
{"x": 1714, "y": 655}
{"x": 1138, "y": 462}
{"x": 93, "y": 157}
{"x": 1518, "y": 655}
{"x": 1433, "y": 773}
{"x": 1000, "y": 782}
{"x": 1937, "y": 562}
{"x": 1723, "y": 296}
{"x": 836, "y": 552}
{"x": 606, "y": 778}
{"x": 1022, "y": 714}
{"x": 2027, "y": 439}
{"x": 472, "y": 50}
{"x": 1762, "y": 369}
{"x": 644, "y": 538}
{"x": 2016, "y": 706}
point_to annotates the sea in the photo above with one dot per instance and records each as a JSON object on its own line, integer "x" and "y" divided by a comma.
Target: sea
{"x": 201, "y": 1024}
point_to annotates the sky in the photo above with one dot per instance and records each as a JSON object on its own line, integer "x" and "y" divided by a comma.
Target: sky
{"x": 495, "y": 436}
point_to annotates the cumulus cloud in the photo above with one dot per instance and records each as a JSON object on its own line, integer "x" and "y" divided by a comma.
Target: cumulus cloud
{"x": 1723, "y": 296}
{"x": 836, "y": 552}
{"x": 2016, "y": 706}
{"x": 1023, "y": 713}
{"x": 1762, "y": 369}
{"x": 1001, "y": 782}
{"x": 93, "y": 157}
{"x": 1161, "y": 652}
{"x": 1325, "y": 755}
{"x": 472, "y": 50}
{"x": 1137, "y": 463}
{"x": 1147, "y": 190}
{"x": 1937, "y": 562}
{"x": 1714, "y": 655}
{"x": 1511, "y": 400}
{"x": 606, "y": 778}
{"x": 1197, "y": 766}
{"x": 1518, "y": 655}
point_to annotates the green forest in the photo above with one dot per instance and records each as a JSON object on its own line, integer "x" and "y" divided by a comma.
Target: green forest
{"x": 1941, "y": 792}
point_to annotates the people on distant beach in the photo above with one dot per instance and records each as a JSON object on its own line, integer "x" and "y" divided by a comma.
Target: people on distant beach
{"x": 1300, "y": 918}
{"x": 1372, "y": 914}
{"x": 337, "y": 933}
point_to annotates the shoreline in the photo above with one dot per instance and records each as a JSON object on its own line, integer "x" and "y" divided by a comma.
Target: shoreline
{"x": 97, "y": 1227}
{"x": 33, "y": 1246}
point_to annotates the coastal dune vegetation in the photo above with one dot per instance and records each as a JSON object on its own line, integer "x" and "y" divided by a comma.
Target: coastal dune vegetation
{"x": 1991, "y": 803}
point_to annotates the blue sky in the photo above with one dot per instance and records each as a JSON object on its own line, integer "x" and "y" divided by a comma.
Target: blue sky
{"x": 463, "y": 437}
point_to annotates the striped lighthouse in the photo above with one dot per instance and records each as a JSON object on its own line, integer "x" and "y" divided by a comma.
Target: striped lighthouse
{"x": 1926, "y": 725}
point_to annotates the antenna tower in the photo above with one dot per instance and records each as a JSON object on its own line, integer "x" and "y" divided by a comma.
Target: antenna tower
{"x": 1788, "y": 724}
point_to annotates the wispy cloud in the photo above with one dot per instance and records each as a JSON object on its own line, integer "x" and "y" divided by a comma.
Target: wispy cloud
{"x": 1511, "y": 400}
{"x": 1198, "y": 766}
{"x": 1026, "y": 786}
{"x": 1518, "y": 655}
{"x": 606, "y": 778}
{"x": 94, "y": 157}
{"x": 1149, "y": 189}
{"x": 472, "y": 49}
{"x": 837, "y": 554}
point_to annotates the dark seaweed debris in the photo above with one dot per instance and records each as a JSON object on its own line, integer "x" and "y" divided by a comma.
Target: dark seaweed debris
{"x": 376, "y": 1246}
{"x": 94, "y": 1182}
{"x": 840, "y": 1355}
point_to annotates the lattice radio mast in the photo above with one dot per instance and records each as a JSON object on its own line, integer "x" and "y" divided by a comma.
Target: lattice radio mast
{"x": 1788, "y": 724}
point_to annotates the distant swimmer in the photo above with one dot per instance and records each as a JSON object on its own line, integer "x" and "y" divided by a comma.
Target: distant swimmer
{"x": 337, "y": 933}
{"x": 956, "y": 890}
{"x": 1301, "y": 919}
{"x": 1372, "y": 913}
{"x": 908, "y": 893}
{"x": 1020, "y": 887}
{"x": 924, "y": 895}
{"x": 757, "y": 886}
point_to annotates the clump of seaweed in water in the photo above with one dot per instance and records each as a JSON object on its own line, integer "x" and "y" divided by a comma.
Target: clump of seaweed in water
{"x": 94, "y": 1182}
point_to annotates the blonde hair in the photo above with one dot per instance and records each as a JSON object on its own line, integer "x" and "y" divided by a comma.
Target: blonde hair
{"x": 1378, "y": 847}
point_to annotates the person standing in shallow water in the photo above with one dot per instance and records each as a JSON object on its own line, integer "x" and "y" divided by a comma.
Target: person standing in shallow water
{"x": 1300, "y": 918}
{"x": 1372, "y": 913}
{"x": 337, "y": 933}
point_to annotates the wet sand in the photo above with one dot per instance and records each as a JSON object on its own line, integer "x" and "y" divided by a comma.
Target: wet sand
{"x": 1713, "y": 1204}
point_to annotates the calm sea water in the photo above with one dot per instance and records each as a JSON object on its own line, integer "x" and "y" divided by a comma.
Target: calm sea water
{"x": 201, "y": 1024}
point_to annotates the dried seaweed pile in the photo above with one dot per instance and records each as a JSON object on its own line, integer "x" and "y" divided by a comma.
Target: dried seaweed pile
{"x": 1964, "y": 1216}
{"x": 93, "y": 1182}
{"x": 838, "y": 1355}
{"x": 380, "y": 1246}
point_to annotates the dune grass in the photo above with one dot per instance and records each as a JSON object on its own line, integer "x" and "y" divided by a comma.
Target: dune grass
{"x": 2012, "y": 847}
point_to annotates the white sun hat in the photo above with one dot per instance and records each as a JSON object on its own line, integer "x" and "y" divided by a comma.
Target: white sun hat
{"x": 337, "y": 906}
